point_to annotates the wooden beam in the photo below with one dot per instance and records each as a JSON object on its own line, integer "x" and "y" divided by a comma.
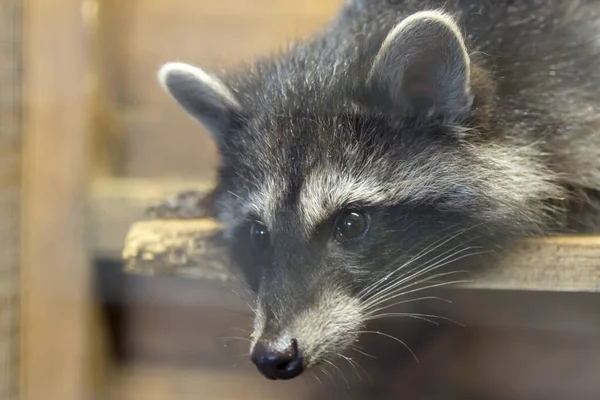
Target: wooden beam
{"x": 118, "y": 206}
{"x": 564, "y": 264}
{"x": 56, "y": 275}
{"x": 191, "y": 248}
{"x": 116, "y": 203}
{"x": 10, "y": 153}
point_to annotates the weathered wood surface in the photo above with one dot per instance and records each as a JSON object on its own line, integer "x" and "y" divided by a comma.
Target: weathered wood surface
{"x": 569, "y": 264}
{"x": 555, "y": 264}
{"x": 181, "y": 248}
{"x": 56, "y": 276}
{"x": 10, "y": 157}
{"x": 191, "y": 248}
{"x": 117, "y": 203}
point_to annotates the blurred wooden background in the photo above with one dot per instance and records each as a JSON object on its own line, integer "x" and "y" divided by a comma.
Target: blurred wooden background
{"x": 100, "y": 139}
{"x": 10, "y": 157}
{"x": 135, "y": 37}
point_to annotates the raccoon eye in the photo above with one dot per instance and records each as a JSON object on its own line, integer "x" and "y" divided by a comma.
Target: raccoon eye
{"x": 351, "y": 224}
{"x": 259, "y": 235}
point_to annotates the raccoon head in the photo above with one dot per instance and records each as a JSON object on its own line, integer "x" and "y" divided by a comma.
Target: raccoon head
{"x": 333, "y": 212}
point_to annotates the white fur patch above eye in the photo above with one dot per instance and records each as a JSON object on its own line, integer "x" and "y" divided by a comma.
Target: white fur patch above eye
{"x": 325, "y": 191}
{"x": 260, "y": 204}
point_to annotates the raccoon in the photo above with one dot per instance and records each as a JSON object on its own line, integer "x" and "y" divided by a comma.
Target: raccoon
{"x": 401, "y": 140}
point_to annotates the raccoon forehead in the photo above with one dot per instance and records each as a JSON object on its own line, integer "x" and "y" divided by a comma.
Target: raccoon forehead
{"x": 327, "y": 189}
{"x": 496, "y": 181}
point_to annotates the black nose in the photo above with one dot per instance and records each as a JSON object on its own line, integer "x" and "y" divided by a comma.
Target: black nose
{"x": 277, "y": 364}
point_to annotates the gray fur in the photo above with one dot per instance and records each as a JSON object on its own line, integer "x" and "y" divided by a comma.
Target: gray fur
{"x": 424, "y": 59}
{"x": 205, "y": 97}
{"x": 500, "y": 140}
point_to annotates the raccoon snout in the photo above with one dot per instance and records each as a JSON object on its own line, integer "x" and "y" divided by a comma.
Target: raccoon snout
{"x": 276, "y": 363}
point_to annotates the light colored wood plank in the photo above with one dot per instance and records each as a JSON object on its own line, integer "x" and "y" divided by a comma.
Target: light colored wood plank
{"x": 116, "y": 203}
{"x": 559, "y": 263}
{"x": 185, "y": 248}
{"x": 10, "y": 138}
{"x": 569, "y": 264}
{"x": 179, "y": 248}
{"x": 56, "y": 275}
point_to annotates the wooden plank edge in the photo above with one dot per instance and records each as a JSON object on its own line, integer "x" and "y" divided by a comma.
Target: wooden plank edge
{"x": 192, "y": 249}
{"x": 117, "y": 203}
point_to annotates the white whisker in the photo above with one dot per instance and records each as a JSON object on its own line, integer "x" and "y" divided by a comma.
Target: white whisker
{"x": 400, "y": 291}
{"x": 353, "y": 364}
{"x": 405, "y": 301}
{"x": 439, "y": 243}
{"x": 423, "y": 298}
{"x": 362, "y": 352}
{"x": 430, "y": 266}
{"x": 408, "y": 284}
{"x": 363, "y": 369}
{"x": 393, "y": 338}
{"x": 340, "y": 371}
{"x": 390, "y": 294}
{"x": 317, "y": 378}
{"x": 241, "y": 330}
{"x": 235, "y": 338}
{"x": 240, "y": 364}
{"x": 406, "y": 315}
{"x": 433, "y": 286}
{"x": 326, "y": 372}
{"x": 418, "y": 256}
{"x": 413, "y": 315}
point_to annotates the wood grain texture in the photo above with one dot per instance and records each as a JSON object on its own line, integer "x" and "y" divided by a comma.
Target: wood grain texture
{"x": 558, "y": 263}
{"x": 570, "y": 264}
{"x": 475, "y": 362}
{"x": 10, "y": 146}
{"x": 187, "y": 248}
{"x": 176, "y": 248}
{"x": 116, "y": 203}
{"x": 56, "y": 287}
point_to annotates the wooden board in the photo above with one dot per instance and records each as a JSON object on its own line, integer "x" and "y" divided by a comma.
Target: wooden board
{"x": 56, "y": 276}
{"x": 545, "y": 316}
{"x": 116, "y": 203}
{"x": 466, "y": 363}
{"x": 10, "y": 146}
{"x": 188, "y": 248}
{"x": 560, "y": 263}
{"x": 569, "y": 264}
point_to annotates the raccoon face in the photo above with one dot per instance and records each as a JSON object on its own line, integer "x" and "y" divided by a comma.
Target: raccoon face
{"x": 334, "y": 213}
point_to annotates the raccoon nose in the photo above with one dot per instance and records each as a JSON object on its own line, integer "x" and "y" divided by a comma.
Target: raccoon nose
{"x": 277, "y": 364}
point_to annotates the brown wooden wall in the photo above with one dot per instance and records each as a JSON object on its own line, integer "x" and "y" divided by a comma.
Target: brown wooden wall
{"x": 137, "y": 36}
{"x": 56, "y": 302}
{"x": 10, "y": 141}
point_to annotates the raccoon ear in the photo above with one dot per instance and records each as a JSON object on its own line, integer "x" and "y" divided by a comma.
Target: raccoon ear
{"x": 203, "y": 96}
{"x": 423, "y": 66}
